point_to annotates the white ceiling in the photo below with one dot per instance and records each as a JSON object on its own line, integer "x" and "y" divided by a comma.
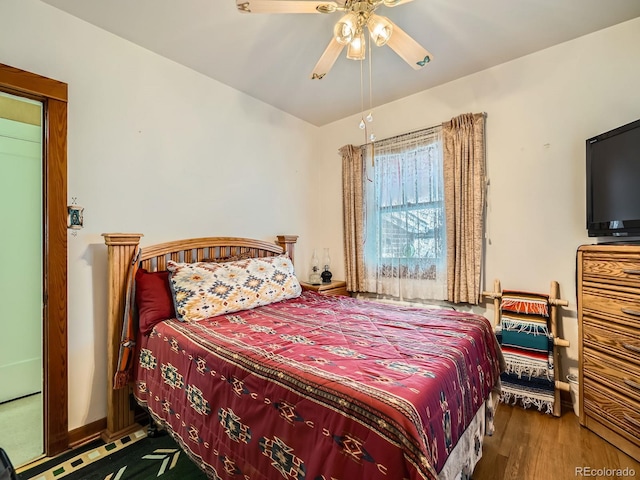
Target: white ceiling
{"x": 271, "y": 56}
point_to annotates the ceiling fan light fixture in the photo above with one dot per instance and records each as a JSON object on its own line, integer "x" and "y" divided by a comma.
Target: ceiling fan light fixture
{"x": 356, "y": 17}
{"x": 356, "y": 48}
{"x": 380, "y": 29}
{"x": 346, "y": 28}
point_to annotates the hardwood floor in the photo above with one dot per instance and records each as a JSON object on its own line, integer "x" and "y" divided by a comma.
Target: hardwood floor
{"x": 531, "y": 445}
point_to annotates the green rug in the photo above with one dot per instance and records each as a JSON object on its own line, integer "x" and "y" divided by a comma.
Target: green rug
{"x": 135, "y": 456}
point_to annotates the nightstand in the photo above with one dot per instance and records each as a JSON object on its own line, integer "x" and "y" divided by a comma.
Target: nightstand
{"x": 337, "y": 287}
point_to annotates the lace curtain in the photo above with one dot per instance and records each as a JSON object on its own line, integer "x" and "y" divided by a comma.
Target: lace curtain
{"x": 404, "y": 229}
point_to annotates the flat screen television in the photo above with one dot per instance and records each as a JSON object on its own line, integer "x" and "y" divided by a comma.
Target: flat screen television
{"x": 613, "y": 182}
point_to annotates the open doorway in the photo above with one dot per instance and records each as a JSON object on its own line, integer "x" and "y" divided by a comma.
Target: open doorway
{"x": 21, "y": 195}
{"x": 51, "y": 95}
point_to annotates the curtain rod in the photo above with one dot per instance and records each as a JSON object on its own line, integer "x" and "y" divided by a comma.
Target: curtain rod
{"x": 400, "y": 135}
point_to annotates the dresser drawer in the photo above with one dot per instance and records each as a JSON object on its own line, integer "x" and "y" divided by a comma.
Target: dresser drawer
{"x": 618, "y": 412}
{"x": 620, "y": 307}
{"x": 612, "y": 268}
{"x": 611, "y": 340}
{"x": 623, "y": 377}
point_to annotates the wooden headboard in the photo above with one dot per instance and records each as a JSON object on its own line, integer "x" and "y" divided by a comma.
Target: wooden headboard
{"x": 121, "y": 249}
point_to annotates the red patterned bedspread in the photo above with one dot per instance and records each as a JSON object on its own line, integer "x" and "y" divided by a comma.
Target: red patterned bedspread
{"x": 319, "y": 387}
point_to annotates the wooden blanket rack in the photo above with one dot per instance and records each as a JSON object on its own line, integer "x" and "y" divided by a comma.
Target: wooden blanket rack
{"x": 554, "y": 302}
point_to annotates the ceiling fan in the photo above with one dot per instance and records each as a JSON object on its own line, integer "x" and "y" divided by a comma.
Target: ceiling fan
{"x": 349, "y": 30}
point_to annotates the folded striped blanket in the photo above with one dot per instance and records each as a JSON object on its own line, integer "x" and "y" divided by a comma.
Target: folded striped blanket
{"x": 527, "y": 345}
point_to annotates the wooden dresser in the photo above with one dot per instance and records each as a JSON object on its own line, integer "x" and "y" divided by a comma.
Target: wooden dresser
{"x": 609, "y": 343}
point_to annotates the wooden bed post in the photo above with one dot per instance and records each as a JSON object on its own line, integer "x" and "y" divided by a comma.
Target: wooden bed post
{"x": 288, "y": 243}
{"x": 120, "y": 248}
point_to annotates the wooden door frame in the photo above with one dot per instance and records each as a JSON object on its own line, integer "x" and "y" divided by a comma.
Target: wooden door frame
{"x": 53, "y": 95}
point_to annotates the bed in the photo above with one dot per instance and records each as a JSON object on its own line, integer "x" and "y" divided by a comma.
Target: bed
{"x": 301, "y": 386}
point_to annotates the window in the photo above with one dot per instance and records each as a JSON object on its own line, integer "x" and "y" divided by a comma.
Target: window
{"x": 405, "y": 244}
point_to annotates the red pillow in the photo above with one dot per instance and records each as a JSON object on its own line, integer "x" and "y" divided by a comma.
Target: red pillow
{"x": 153, "y": 299}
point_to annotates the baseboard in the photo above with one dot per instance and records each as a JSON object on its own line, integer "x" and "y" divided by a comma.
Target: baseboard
{"x": 86, "y": 433}
{"x": 93, "y": 430}
{"x": 567, "y": 404}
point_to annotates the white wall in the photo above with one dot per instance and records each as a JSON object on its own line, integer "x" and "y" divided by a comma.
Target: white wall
{"x": 158, "y": 149}
{"x": 541, "y": 108}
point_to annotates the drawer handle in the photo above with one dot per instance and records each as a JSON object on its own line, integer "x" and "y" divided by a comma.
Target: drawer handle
{"x": 629, "y": 311}
{"x": 632, "y": 421}
{"x": 632, "y": 384}
{"x": 632, "y": 348}
{"x": 631, "y": 271}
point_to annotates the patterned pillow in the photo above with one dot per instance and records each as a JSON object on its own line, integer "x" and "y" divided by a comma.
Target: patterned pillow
{"x": 201, "y": 290}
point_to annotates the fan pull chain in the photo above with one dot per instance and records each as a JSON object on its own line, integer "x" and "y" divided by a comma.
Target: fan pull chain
{"x": 372, "y": 136}
{"x": 362, "y": 125}
{"x": 368, "y": 139}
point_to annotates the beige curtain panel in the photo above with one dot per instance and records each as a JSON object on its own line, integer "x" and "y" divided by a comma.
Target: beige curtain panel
{"x": 464, "y": 193}
{"x": 353, "y": 216}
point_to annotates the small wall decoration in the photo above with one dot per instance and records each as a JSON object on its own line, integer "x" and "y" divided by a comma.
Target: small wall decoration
{"x": 75, "y": 217}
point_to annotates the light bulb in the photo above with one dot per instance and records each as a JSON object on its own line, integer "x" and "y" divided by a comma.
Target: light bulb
{"x": 372, "y": 137}
{"x": 362, "y": 125}
{"x": 345, "y": 29}
{"x": 356, "y": 48}
{"x": 370, "y": 117}
{"x": 380, "y": 29}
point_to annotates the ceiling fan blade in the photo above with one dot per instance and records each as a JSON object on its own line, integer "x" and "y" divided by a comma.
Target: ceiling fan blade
{"x": 328, "y": 58}
{"x": 285, "y": 6}
{"x": 409, "y": 50}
